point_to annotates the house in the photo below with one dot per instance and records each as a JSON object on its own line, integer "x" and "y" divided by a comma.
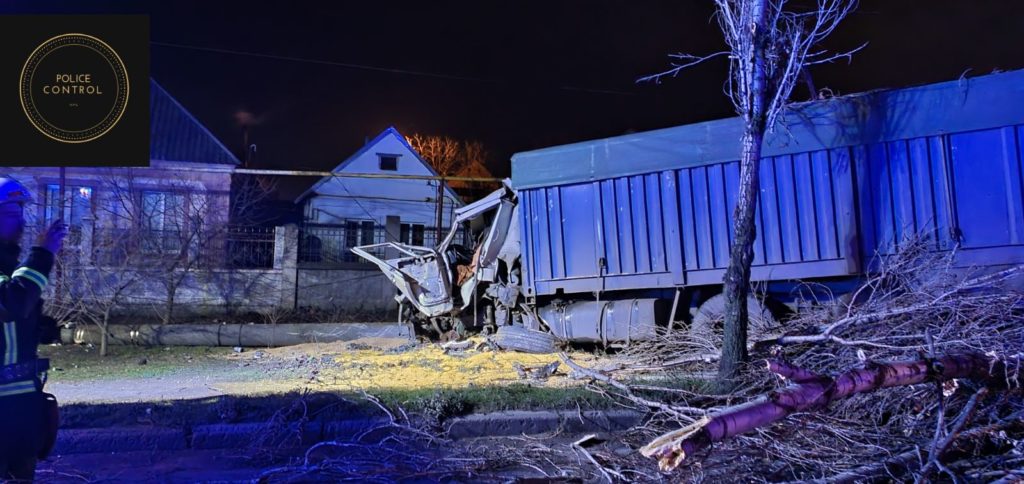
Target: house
{"x": 187, "y": 185}
{"x": 159, "y": 237}
{"x": 350, "y": 210}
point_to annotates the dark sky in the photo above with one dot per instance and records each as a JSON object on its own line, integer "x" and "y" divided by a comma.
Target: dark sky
{"x": 516, "y": 75}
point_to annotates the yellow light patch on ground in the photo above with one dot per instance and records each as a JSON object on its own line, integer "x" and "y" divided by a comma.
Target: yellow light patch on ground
{"x": 377, "y": 366}
{"x": 423, "y": 367}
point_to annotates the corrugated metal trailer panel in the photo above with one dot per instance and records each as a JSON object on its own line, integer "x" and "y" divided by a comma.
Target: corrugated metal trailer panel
{"x": 675, "y": 227}
{"x": 821, "y": 212}
{"x": 961, "y": 188}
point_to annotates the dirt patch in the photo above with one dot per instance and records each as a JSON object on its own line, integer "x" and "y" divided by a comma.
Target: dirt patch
{"x": 412, "y": 376}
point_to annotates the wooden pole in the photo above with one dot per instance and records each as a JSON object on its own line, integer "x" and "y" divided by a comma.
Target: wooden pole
{"x": 60, "y": 203}
{"x": 440, "y": 210}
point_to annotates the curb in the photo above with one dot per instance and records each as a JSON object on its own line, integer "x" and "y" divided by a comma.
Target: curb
{"x": 118, "y": 439}
{"x": 503, "y": 424}
{"x": 240, "y": 435}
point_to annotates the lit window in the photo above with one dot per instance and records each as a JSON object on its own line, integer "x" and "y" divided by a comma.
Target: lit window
{"x": 77, "y": 205}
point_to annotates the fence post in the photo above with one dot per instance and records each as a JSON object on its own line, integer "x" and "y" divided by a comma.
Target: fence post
{"x": 286, "y": 259}
{"x": 392, "y": 229}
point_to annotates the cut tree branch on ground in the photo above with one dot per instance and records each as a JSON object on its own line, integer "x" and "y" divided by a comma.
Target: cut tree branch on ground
{"x": 606, "y": 473}
{"x": 817, "y": 392}
{"x": 915, "y": 303}
{"x": 881, "y": 308}
{"x": 941, "y": 442}
{"x": 684, "y": 413}
{"x": 909, "y": 460}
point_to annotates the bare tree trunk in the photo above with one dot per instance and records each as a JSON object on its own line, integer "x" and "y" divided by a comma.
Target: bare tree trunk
{"x": 737, "y": 276}
{"x": 813, "y": 392}
{"x": 104, "y": 332}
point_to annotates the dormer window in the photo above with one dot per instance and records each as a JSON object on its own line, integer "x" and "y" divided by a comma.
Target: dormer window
{"x": 388, "y": 162}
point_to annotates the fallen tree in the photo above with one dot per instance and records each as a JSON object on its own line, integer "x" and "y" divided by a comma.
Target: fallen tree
{"x": 827, "y": 421}
{"x": 812, "y": 391}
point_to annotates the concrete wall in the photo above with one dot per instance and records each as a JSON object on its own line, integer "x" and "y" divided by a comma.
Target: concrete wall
{"x": 201, "y": 293}
{"x": 358, "y": 290}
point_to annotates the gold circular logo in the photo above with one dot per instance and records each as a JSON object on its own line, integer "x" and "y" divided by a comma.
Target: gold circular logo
{"x": 74, "y": 88}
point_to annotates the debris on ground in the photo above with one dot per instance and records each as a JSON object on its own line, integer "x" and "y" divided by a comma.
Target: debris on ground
{"x": 456, "y": 346}
{"x": 420, "y": 366}
{"x": 401, "y": 348}
{"x": 922, "y": 365}
{"x": 541, "y": 372}
{"x": 487, "y": 345}
{"x": 518, "y": 338}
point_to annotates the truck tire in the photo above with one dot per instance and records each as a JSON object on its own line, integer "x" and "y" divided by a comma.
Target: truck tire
{"x": 708, "y": 323}
{"x": 518, "y": 338}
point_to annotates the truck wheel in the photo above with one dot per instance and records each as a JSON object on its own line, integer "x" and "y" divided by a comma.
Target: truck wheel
{"x": 709, "y": 322}
{"x": 518, "y": 338}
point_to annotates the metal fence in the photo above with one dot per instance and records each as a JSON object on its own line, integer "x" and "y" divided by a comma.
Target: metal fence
{"x": 247, "y": 247}
{"x": 233, "y": 247}
{"x": 330, "y": 245}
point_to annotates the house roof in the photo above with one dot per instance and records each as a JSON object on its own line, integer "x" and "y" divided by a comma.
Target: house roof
{"x": 390, "y": 131}
{"x": 949, "y": 107}
{"x": 176, "y": 135}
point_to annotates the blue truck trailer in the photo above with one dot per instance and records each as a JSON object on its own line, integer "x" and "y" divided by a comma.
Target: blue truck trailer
{"x": 601, "y": 240}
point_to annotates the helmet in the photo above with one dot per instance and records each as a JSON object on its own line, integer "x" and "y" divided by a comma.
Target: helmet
{"x": 12, "y": 191}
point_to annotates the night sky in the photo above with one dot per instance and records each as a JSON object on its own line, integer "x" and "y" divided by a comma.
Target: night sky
{"x": 321, "y": 77}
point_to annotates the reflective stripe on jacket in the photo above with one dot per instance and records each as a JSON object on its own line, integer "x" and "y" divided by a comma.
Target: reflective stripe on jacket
{"x": 20, "y": 295}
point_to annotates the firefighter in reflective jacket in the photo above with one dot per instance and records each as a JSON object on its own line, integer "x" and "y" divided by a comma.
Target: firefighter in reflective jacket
{"x": 22, "y": 416}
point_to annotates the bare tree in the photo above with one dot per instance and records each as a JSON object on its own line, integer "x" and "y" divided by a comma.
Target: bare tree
{"x": 169, "y": 230}
{"x": 107, "y": 284}
{"x": 448, "y": 156}
{"x": 98, "y": 281}
{"x": 249, "y": 194}
{"x": 451, "y": 157}
{"x": 769, "y": 45}
{"x": 182, "y": 245}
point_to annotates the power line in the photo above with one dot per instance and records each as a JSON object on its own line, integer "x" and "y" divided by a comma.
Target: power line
{"x": 318, "y": 173}
{"x": 365, "y": 67}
